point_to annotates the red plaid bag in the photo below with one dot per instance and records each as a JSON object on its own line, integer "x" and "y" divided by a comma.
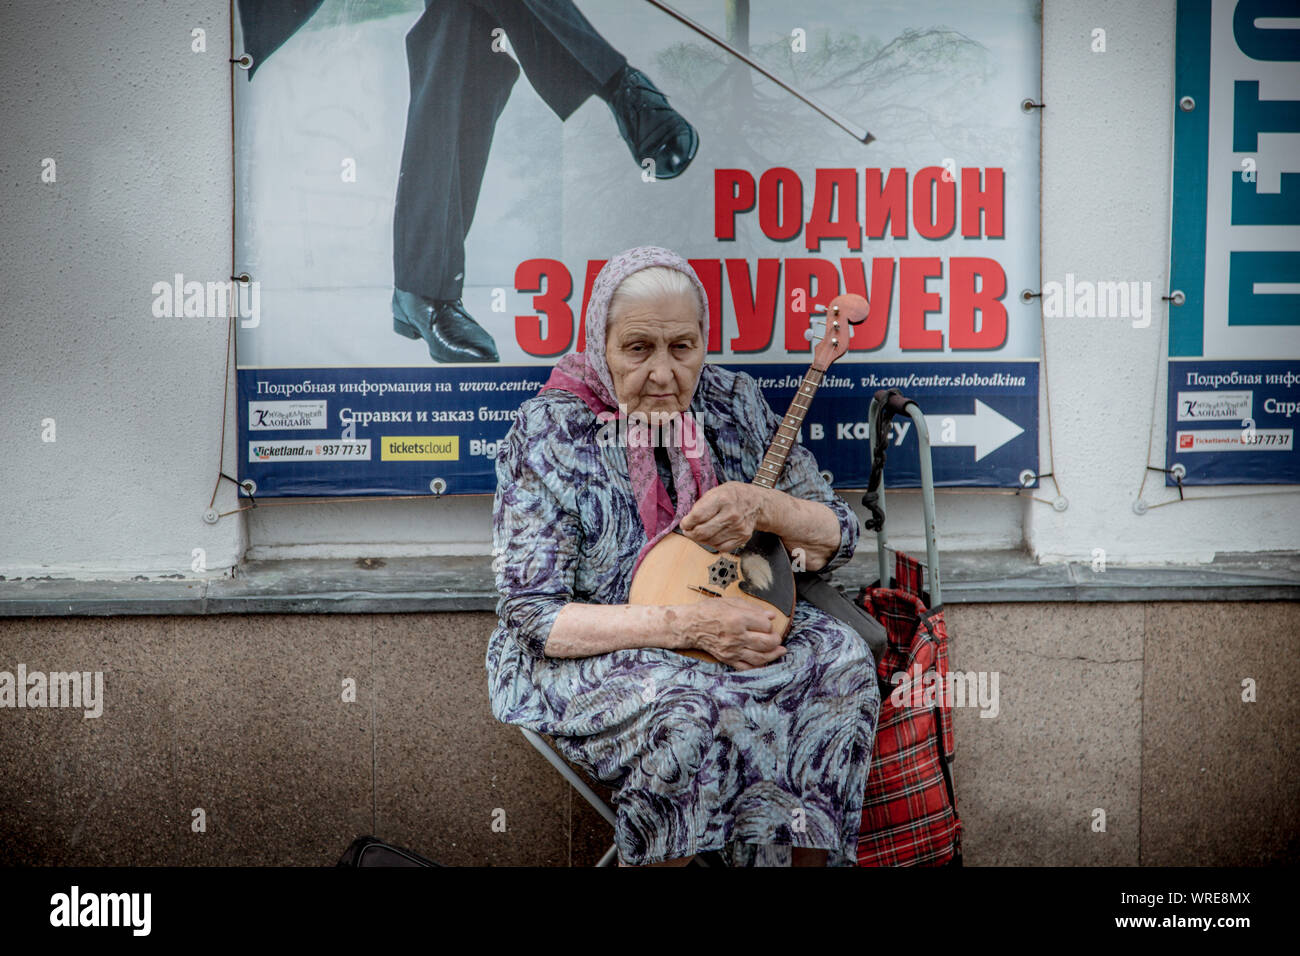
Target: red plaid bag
{"x": 909, "y": 811}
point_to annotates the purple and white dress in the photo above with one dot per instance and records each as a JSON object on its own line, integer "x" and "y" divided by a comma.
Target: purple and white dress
{"x": 700, "y": 756}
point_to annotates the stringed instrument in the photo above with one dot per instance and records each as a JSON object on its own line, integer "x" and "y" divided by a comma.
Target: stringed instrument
{"x": 679, "y": 570}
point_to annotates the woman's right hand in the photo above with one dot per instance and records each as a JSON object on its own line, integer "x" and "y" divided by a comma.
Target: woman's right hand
{"x": 738, "y": 633}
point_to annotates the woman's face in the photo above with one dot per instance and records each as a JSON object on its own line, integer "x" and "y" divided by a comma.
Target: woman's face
{"x": 655, "y": 351}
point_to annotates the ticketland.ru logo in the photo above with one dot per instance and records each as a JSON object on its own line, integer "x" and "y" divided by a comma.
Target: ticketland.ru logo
{"x": 1248, "y": 439}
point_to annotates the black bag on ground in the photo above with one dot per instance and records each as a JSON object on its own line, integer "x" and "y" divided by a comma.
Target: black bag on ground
{"x": 372, "y": 851}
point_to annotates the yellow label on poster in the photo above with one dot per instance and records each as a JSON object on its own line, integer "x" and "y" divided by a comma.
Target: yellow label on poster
{"x": 420, "y": 447}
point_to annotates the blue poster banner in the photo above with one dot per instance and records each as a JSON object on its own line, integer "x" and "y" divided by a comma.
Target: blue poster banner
{"x": 1234, "y": 321}
{"x": 1234, "y": 422}
{"x": 396, "y": 431}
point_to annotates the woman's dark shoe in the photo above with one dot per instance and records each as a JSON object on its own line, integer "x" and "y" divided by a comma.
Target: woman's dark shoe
{"x": 651, "y": 128}
{"x": 453, "y": 336}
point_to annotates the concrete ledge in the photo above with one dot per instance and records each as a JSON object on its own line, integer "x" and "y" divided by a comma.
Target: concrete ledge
{"x": 465, "y": 583}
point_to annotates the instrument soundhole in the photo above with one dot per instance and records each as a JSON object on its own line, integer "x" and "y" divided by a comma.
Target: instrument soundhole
{"x": 723, "y": 572}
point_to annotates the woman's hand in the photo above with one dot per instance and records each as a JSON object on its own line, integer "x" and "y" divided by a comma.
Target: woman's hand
{"x": 726, "y": 516}
{"x": 735, "y": 631}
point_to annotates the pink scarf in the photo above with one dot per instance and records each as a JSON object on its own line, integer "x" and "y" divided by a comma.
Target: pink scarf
{"x": 586, "y": 375}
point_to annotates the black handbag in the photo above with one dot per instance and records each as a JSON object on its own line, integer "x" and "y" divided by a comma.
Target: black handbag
{"x": 816, "y": 588}
{"x": 372, "y": 851}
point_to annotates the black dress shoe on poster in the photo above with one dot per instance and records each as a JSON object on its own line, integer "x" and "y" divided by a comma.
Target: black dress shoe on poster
{"x": 451, "y": 332}
{"x": 651, "y": 128}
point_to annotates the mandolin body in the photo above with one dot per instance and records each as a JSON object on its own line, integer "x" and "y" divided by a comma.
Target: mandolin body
{"x": 678, "y": 570}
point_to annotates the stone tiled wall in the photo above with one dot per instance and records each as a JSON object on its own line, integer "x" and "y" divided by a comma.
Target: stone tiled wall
{"x": 1130, "y": 708}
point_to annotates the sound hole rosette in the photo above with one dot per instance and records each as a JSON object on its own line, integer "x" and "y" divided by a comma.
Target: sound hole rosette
{"x": 723, "y": 572}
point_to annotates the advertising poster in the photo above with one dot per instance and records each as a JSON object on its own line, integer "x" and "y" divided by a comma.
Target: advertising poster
{"x": 424, "y": 196}
{"x": 1234, "y": 338}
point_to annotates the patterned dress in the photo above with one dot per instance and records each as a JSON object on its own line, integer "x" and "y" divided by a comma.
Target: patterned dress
{"x": 700, "y": 756}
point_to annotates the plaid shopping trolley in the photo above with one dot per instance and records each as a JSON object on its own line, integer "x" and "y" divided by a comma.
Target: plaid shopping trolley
{"x": 909, "y": 811}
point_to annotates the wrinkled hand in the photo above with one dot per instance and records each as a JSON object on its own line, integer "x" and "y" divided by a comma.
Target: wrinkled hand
{"x": 737, "y": 632}
{"x": 725, "y": 517}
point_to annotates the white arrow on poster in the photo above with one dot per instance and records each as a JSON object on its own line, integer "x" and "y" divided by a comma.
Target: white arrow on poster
{"x": 987, "y": 430}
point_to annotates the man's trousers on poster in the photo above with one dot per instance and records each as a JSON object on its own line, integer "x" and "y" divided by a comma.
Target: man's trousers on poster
{"x": 460, "y": 81}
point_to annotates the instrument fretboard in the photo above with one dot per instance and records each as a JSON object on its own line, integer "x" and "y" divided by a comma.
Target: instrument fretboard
{"x": 769, "y": 470}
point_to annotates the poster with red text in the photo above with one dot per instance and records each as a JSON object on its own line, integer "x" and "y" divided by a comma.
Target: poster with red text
{"x": 425, "y": 195}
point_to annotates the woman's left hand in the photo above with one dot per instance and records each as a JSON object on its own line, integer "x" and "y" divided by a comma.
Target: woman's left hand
{"x": 726, "y": 516}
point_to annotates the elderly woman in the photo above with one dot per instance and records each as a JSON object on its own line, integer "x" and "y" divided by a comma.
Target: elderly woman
{"x": 767, "y": 745}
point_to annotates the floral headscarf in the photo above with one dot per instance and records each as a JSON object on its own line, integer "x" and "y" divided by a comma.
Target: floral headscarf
{"x": 586, "y": 374}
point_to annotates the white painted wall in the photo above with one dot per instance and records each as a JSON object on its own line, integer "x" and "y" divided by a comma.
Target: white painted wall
{"x": 140, "y": 130}
{"x": 1107, "y": 164}
{"x": 139, "y": 127}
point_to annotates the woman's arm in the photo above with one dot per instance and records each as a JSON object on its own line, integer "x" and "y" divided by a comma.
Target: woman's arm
{"x": 728, "y": 515}
{"x": 584, "y": 630}
{"x": 803, "y": 525}
{"x": 537, "y": 538}
{"x": 733, "y": 631}
{"x": 813, "y": 522}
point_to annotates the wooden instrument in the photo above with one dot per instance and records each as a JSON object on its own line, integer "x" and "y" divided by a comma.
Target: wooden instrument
{"x": 679, "y": 570}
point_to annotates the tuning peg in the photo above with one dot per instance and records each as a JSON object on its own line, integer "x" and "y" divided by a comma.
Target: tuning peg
{"x": 807, "y": 334}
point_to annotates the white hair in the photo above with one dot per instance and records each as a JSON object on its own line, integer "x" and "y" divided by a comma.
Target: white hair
{"x": 652, "y": 284}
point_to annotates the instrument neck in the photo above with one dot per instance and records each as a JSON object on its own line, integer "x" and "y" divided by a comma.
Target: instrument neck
{"x": 769, "y": 470}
